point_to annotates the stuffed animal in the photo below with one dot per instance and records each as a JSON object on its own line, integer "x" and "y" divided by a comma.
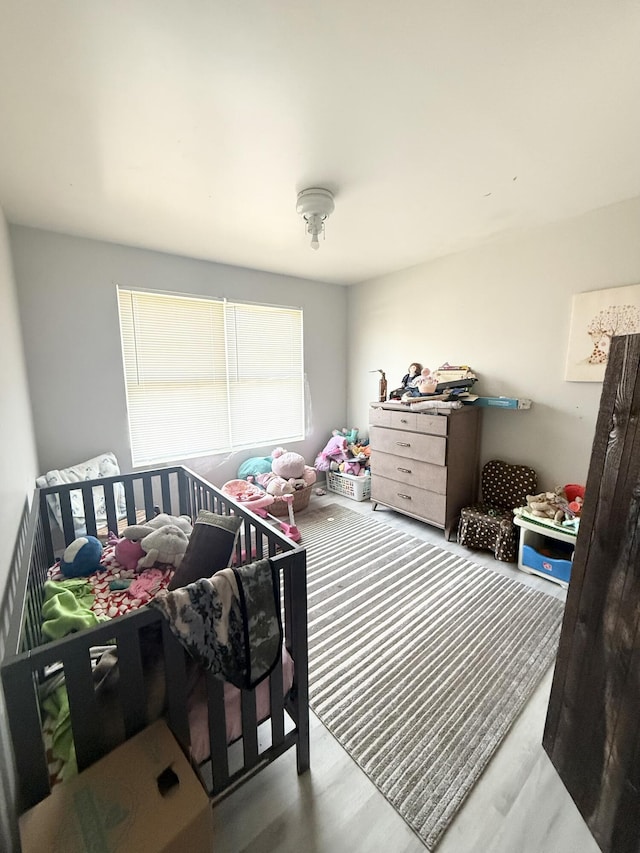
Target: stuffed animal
{"x": 139, "y": 531}
{"x": 166, "y": 547}
{"x": 350, "y": 434}
{"x": 275, "y": 485}
{"x": 162, "y": 520}
{"x": 167, "y": 544}
{"x": 548, "y": 505}
{"x": 351, "y": 466}
{"x": 81, "y": 557}
{"x": 335, "y": 450}
{"x": 291, "y": 467}
{"x": 254, "y": 466}
{"x": 126, "y": 551}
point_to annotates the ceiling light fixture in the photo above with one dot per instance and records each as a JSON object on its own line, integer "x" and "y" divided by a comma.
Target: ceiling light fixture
{"x": 315, "y": 205}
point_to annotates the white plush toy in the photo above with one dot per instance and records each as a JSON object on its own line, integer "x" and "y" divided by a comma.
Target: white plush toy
{"x": 181, "y": 521}
{"x": 164, "y": 539}
{"x": 167, "y": 544}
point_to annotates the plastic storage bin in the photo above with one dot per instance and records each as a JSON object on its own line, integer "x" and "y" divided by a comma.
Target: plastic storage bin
{"x": 356, "y": 488}
{"x": 556, "y": 562}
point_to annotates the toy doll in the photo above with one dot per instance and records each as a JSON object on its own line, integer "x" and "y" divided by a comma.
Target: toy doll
{"x": 409, "y": 378}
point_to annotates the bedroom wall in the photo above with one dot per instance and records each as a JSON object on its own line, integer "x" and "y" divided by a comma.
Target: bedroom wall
{"x": 17, "y": 446}
{"x": 505, "y": 309}
{"x": 67, "y": 297}
{"x": 17, "y": 474}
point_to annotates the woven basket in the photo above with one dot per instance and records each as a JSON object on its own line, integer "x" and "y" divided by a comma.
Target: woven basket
{"x": 300, "y": 501}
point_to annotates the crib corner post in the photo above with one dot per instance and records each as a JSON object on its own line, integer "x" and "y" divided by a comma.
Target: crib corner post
{"x": 297, "y": 642}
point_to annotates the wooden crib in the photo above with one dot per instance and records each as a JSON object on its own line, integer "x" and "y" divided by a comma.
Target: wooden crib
{"x": 176, "y": 491}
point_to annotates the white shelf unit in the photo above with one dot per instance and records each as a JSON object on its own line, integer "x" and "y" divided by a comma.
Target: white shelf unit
{"x": 533, "y": 534}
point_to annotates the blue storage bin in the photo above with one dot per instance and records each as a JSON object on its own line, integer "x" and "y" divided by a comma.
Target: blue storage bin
{"x": 555, "y": 567}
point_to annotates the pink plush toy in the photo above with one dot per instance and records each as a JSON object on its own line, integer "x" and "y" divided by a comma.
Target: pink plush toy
{"x": 290, "y": 472}
{"x": 127, "y": 551}
{"x": 351, "y": 467}
{"x": 334, "y": 451}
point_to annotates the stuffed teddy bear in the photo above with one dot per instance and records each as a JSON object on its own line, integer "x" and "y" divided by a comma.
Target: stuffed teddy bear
{"x": 288, "y": 473}
{"x": 548, "y": 505}
{"x": 291, "y": 467}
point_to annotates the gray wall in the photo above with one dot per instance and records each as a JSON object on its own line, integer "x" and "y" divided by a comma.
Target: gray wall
{"x": 67, "y": 295}
{"x": 17, "y": 474}
{"x": 505, "y": 309}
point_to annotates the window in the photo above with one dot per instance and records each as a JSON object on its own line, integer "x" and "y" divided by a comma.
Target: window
{"x": 206, "y": 376}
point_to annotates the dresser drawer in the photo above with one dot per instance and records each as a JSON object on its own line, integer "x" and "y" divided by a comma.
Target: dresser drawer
{"x": 414, "y": 421}
{"x": 411, "y": 471}
{"x": 409, "y": 499}
{"x": 409, "y": 445}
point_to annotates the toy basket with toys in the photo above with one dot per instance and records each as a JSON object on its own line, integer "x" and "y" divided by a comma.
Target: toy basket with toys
{"x": 356, "y": 488}
{"x": 300, "y": 501}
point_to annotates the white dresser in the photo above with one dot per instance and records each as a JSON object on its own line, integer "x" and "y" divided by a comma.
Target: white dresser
{"x": 425, "y": 465}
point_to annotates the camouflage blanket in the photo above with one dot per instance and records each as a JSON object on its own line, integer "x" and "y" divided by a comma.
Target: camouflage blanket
{"x": 230, "y": 622}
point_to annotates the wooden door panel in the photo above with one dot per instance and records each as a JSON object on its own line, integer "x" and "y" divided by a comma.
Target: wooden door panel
{"x": 593, "y": 721}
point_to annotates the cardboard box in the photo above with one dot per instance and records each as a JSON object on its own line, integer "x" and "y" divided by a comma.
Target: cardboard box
{"x": 143, "y": 797}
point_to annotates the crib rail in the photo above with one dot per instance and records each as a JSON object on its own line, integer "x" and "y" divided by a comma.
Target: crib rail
{"x": 28, "y": 662}
{"x": 176, "y": 491}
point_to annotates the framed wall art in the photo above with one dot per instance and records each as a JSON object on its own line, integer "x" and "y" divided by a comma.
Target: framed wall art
{"x": 596, "y": 317}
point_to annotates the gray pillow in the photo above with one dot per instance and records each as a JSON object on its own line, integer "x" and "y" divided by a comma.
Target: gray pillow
{"x": 210, "y": 548}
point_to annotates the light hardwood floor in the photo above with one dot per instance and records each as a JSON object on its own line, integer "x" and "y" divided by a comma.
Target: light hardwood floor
{"x": 519, "y": 805}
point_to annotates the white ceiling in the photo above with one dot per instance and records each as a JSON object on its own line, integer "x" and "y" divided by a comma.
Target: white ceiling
{"x": 189, "y": 126}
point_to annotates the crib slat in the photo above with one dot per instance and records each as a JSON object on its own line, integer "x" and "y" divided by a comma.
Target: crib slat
{"x": 89, "y": 511}
{"x": 184, "y": 504}
{"x": 217, "y": 733}
{"x": 259, "y": 539}
{"x": 276, "y": 704}
{"x": 295, "y": 597}
{"x": 147, "y": 488}
{"x": 45, "y": 520}
{"x": 83, "y": 708}
{"x": 132, "y": 686}
{"x": 26, "y": 733}
{"x": 166, "y": 493}
{"x": 249, "y": 728}
{"x": 130, "y": 500}
{"x": 68, "y": 527}
{"x": 176, "y": 680}
{"x": 110, "y": 506}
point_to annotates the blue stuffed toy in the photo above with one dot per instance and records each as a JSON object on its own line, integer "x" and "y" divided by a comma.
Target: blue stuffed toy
{"x": 81, "y": 557}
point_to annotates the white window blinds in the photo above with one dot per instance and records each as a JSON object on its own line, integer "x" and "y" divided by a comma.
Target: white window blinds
{"x": 209, "y": 376}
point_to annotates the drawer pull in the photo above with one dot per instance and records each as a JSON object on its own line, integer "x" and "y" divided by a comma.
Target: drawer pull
{"x": 406, "y": 497}
{"x": 405, "y": 470}
{"x": 404, "y": 421}
{"x": 403, "y": 444}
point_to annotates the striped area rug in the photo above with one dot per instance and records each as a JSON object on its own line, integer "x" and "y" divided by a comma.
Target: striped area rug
{"x": 419, "y": 660}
